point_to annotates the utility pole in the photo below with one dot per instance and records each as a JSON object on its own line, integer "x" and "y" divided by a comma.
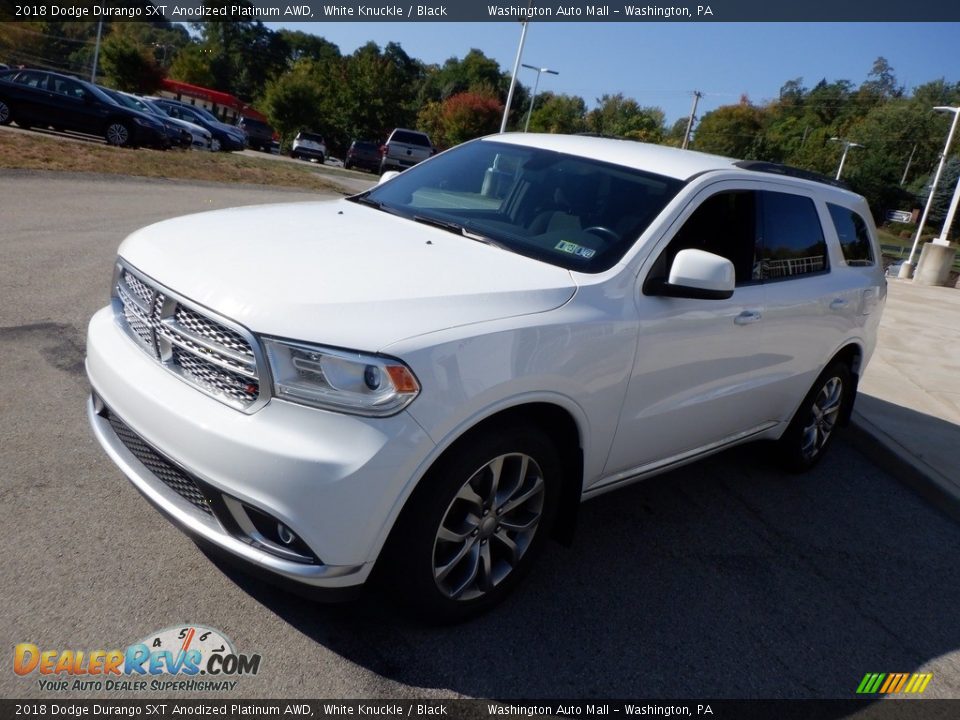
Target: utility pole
{"x": 96, "y": 53}
{"x": 693, "y": 113}
{"x": 907, "y": 168}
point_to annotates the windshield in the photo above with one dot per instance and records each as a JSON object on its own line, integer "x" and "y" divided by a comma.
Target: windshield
{"x": 202, "y": 113}
{"x": 570, "y": 211}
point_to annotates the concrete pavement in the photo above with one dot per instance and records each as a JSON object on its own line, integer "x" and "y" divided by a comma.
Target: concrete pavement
{"x": 907, "y": 415}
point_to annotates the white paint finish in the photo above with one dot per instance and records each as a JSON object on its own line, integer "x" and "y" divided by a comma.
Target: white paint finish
{"x": 648, "y": 380}
{"x": 340, "y": 274}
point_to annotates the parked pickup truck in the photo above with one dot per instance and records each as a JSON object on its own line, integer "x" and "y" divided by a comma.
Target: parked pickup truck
{"x": 404, "y": 148}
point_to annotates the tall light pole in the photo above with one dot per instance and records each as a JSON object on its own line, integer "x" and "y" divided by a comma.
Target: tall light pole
{"x": 536, "y": 84}
{"x": 513, "y": 77}
{"x": 96, "y": 53}
{"x": 843, "y": 158}
{"x": 906, "y": 270}
{"x": 942, "y": 240}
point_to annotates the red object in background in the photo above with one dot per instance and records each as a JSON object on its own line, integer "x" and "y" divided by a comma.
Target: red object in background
{"x": 215, "y": 97}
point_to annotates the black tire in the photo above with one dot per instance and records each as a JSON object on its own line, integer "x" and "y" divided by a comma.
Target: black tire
{"x": 814, "y": 425}
{"x": 462, "y": 543}
{"x": 118, "y": 133}
{"x": 294, "y": 156}
{"x": 6, "y": 115}
{"x": 347, "y": 165}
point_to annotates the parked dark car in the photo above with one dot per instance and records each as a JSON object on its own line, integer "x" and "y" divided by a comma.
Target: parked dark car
{"x": 363, "y": 154}
{"x": 38, "y": 98}
{"x": 227, "y": 137}
{"x": 176, "y": 135}
{"x": 259, "y": 134}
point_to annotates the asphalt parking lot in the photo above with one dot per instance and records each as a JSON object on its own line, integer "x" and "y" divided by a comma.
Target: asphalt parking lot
{"x": 724, "y": 579}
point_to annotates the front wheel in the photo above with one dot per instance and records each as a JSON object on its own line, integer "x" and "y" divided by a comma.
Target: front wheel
{"x": 118, "y": 134}
{"x": 472, "y": 529}
{"x": 812, "y": 429}
{"x": 5, "y": 114}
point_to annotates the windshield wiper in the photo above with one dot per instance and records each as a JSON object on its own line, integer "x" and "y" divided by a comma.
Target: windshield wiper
{"x": 364, "y": 199}
{"x": 458, "y": 229}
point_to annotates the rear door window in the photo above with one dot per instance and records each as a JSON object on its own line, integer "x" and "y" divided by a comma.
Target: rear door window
{"x": 854, "y": 235}
{"x": 792, "y": 241}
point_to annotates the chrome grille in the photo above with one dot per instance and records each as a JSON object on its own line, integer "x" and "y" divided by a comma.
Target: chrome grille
{"x": 196, "y": 347}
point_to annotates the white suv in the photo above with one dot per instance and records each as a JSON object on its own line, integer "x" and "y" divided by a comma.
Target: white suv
{"x": 426, "y": 379}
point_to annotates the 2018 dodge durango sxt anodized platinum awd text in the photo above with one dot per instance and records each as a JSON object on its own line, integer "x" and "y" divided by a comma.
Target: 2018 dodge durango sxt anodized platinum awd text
{"x": 422, "y": 382}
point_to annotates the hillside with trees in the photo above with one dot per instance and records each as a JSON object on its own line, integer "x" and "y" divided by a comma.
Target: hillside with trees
{"x": 300, "y": 80}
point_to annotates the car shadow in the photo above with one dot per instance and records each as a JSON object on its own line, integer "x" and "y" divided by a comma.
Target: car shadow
{"x": 724, "y": 579}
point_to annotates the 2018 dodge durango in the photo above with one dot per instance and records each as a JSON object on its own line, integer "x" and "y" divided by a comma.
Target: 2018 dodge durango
{"x": 423, "y": 381}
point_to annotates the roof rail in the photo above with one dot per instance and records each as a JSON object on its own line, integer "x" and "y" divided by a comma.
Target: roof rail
{"x": 789, "y": 171}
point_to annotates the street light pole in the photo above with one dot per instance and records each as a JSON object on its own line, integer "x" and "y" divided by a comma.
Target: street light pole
{"x": 513, "y": 77}
{"x": 536, "y": 84}
{"x": 96, "y": 53}
{"x": 846, "y": 149}
{"x": 906, "y": 270}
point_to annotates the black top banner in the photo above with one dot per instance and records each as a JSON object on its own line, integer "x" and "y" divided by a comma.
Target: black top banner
{"x": 485, "y": 11}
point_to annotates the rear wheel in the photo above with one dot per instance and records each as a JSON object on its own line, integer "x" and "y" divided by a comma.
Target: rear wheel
{"x": 474, "y": 526}
{"x": 812, "y": 429}
{"x": 118, "y": 133}
{"x": 5, "y": 115}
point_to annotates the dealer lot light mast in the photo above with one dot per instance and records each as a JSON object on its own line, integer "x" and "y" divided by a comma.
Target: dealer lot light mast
{"x": 536, "y": 85}
{"x": 906, "y": 270}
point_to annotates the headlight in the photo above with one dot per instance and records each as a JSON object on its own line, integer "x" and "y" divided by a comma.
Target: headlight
{"x": 340, "y": 380}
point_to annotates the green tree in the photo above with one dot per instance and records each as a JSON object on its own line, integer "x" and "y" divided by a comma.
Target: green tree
{"x": 294, "y": 101}
{"x": 731, "y": 130}
{"x": 558, "y": 114}
{"x": 619, "y": 116}
{"x": 192, "y": 65}
{"x": 129, "y": 67}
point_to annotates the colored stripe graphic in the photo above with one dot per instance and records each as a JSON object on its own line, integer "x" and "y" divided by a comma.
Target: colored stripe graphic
{"x": 892, "y": 683}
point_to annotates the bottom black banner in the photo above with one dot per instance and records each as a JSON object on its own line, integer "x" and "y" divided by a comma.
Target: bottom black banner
{"x": 469, "y": 709}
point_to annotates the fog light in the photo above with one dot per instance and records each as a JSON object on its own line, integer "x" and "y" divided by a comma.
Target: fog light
{"x": 285, "y": 534}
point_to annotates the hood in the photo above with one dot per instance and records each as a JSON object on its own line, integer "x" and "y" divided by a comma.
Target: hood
{"x": 231, "y": 130}
{"x": 340, "y": 274}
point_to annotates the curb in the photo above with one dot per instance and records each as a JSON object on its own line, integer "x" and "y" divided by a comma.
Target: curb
{"x": 919, "y": 476}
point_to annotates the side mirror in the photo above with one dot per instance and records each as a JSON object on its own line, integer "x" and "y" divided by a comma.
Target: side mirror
{"x": 699, "y": 274}
{"x": 388, "y": 175}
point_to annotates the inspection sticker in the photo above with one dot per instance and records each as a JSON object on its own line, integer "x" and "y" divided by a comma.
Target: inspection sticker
{"x": 574, "y": 249}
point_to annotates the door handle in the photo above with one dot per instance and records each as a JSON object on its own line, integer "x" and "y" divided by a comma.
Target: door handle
{"x": 838, "y": 304}
{"x": 747, "y": 317}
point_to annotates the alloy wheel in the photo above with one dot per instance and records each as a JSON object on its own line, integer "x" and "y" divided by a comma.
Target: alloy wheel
{"x": 823, "y": 418}
{"x": 488, "y": 526}
{"x": 4, "y": 113}
{"x": 118, "y": 134}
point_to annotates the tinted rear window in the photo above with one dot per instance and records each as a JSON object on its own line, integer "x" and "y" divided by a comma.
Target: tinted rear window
{"x": 792, "y": 237}
{"x": 312, "y": 137}
{"x": 366, "y": 146}
{"x": 854, "y": 235}
{"x": 410, "y": 138}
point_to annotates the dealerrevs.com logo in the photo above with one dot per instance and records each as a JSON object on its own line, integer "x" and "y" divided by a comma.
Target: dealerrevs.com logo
{"x": 183, "y": 657}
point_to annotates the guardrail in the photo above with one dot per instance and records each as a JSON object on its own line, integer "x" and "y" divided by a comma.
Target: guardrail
{"x": 902, "y": 253}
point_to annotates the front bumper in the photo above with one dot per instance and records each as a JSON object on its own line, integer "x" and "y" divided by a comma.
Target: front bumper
{"x": 337, "y": 481}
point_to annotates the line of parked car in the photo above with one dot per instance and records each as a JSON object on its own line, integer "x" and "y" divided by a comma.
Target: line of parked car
{"x": 40, "y": 98}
